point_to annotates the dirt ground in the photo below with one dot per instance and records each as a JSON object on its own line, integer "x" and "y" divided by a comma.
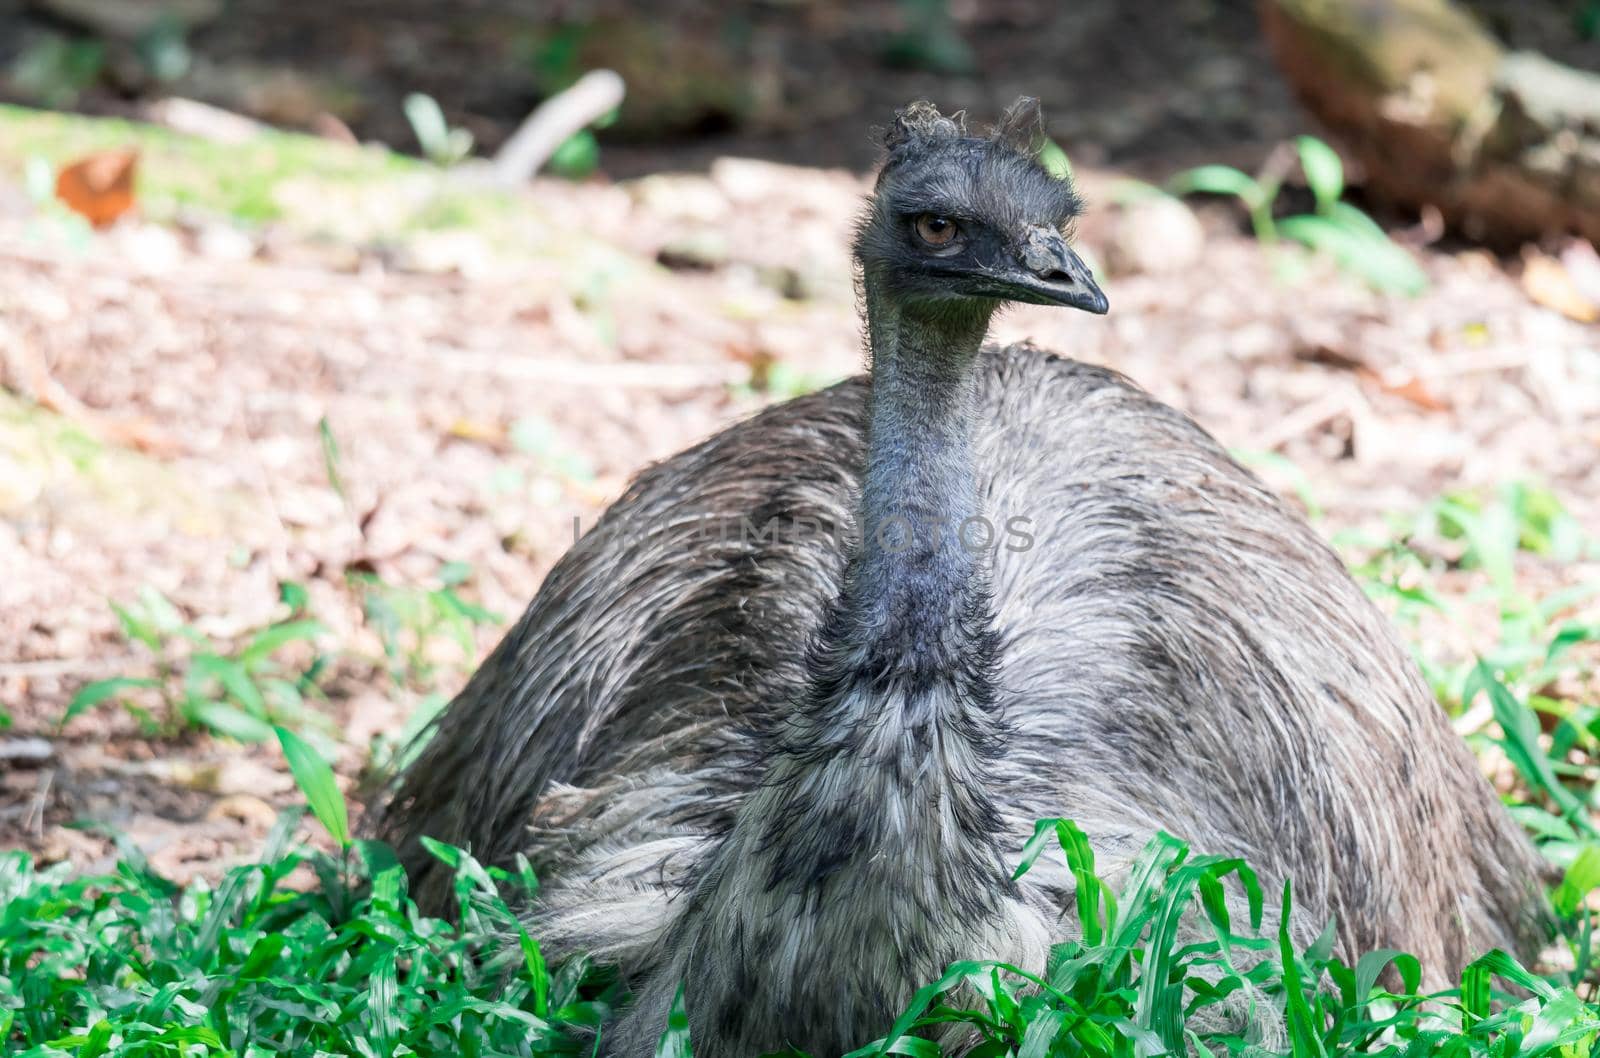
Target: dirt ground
{"x": 162, "y": 386}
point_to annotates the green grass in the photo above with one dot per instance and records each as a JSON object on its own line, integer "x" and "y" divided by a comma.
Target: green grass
{"x": 128, "y": 963}
{"x": 238, "y": 180}
{"x": 315, "y": 187}
{"x": 274, "y": 674}
{"x": 1533, "y": 683}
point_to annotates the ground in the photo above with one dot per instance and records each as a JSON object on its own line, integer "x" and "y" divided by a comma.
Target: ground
{"x": 359, "y": 382}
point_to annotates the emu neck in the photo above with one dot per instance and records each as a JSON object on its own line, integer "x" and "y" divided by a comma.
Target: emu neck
{"x": 884, "y": 776}
{"x": 870, "y": 853}
{"x": 918, "y": 565}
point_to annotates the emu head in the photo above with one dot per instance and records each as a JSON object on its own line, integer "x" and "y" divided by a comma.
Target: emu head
{"x": 972, "y": 218}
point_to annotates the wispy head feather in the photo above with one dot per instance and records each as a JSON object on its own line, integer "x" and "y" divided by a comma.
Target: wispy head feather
{"x": 1021, "y": 127}
{"x": 922, "y": 121}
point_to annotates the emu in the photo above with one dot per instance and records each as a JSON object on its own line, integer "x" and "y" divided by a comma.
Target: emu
{"x": 778, "y": 726}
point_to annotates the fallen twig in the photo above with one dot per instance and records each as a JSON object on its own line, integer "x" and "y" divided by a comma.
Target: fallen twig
{"x": 593, "y": 95}
{"x": 194, "y": 118}
{"x": 33, "y": 819}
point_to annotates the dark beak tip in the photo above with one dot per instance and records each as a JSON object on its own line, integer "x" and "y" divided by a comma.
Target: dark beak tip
{"x": 1082, "y": 292}
{"x": 1053, "y": 261}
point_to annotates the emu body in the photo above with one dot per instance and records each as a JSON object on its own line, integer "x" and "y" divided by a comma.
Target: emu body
{"x": 758, "y": 738}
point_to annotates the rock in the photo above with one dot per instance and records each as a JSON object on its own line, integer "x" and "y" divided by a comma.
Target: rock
{"x": 247, "y": 809}
{"x": 224, "y": 242}
{"x": 1582, "y": 263}
{"x": 1506, "y": 145}
{"x": 62, "y": 844}
{"x": 465, "y": 253}
{"x": 20, "y": 487}
{"x": 152, "y": 249}
{"x": 1155, "y": 234}
{"x": 680, "y": 196}
{"x": 1547, "y": 283}
{"x": 25, "y": 751}
{"x": 751, "y": 181}
{"x": 242, "y": 775}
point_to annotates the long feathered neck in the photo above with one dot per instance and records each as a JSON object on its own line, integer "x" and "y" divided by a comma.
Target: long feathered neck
{"x": 888, "y": 759}
{"x": 918, "y": 572}
{"x": 870, "y": 853}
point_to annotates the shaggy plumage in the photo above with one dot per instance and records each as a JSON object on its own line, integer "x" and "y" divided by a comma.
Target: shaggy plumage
{"x": 778, "y": 726}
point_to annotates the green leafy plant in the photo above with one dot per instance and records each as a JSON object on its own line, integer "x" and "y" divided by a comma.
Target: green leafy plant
{"x": 56, "y": 70}
{"x": 129, "y": 964}
{"x": 1336, "y": 228}
{"x": 163, "y": 48}
{"x": 1506, "y": 698}
{"x": 389, "y": 754}
{"x": 930, "y": 40}
{"x": 409, "y": 619}
{"x": 1537, "y": 637}
{"x": 331, "y": 459}
{"x": 441, "y": 144}
{"x": 315, "y": 779}
{"x": 1256, "y": 195}
{"x": 1055, "y": 160}
{"x": 578, "y": 156}
{"x": 1586, "y": 20}
{"x": 239, "y": 689}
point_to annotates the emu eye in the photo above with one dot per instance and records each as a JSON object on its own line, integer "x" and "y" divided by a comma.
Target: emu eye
{"x": 936, "y": 231}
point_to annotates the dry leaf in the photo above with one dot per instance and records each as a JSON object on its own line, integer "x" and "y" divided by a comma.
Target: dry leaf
{"x": 1582, "y": 263}
{"x": 99, "y": 186}
{"x": 489, "y": 433}
{"x": 1413, "y": 390}
{"x": 1406, "y": 387}
{"x": 139, "y": 432}
{"x": 1548, "y": 284}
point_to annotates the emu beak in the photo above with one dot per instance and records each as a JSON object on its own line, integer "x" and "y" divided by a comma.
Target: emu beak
{"x": 1052, "y": 274}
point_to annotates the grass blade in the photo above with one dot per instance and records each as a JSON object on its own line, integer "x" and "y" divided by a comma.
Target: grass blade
{"x": 316, "y": 781}
{"x": 674, "y": 1042}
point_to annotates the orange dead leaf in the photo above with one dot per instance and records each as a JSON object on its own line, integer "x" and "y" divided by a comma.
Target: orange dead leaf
{"x": 1406, "y": 387}
{"x": 99, "y": 186}
{"x": 489, "y": 433}
{"x": 1413, "y": 390}
{"x": 140, "y": 433}
{"x": 1547, "y": 283}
